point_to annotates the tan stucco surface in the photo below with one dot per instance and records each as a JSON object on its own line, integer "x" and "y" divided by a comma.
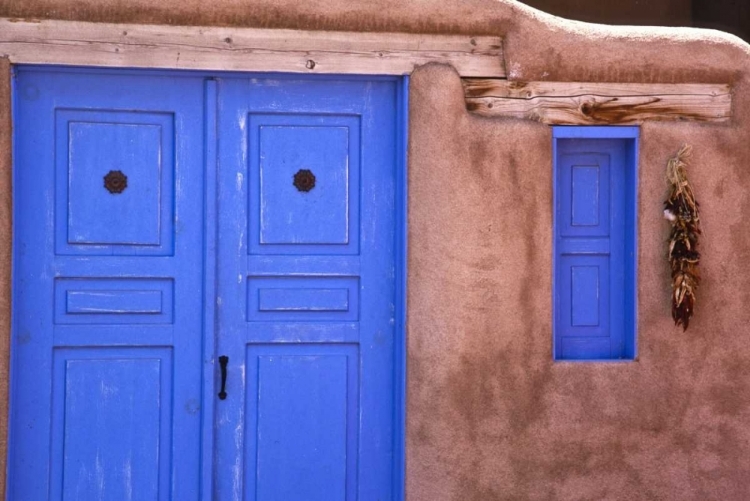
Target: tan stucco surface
{"x": 5, "y": 255}
{"x": 490, "y": 416}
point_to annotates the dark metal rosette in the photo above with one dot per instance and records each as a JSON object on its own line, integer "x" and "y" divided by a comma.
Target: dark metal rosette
{"x": 304, "y": 180}
{"x": 115, "y": 181}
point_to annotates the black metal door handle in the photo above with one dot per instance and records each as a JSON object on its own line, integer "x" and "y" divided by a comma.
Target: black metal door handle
{"x": 223, "y": 361}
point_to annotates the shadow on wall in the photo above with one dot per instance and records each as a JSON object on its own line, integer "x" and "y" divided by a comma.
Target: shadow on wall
{"x": 732, "y": 16}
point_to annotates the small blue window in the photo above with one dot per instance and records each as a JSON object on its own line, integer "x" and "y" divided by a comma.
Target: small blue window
{"x": 595, "y": 242}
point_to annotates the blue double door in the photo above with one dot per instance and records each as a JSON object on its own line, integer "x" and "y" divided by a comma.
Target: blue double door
{"x": 204, "y": 287}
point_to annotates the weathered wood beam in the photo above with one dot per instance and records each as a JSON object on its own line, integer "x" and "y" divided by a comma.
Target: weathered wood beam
{"x": 244, "y": 49}
{"x": 568, "y": 103}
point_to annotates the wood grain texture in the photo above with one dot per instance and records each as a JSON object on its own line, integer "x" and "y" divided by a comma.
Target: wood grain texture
{"x": 244, "y": 49}
{"x": 572, "y": 103}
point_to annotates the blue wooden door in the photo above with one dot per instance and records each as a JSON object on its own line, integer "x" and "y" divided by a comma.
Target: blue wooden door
{"x": 106, "y": 352}
{"x": 306, "y": 304}
{"x": 594, "y": 249}
{"x": 167, "y": 221}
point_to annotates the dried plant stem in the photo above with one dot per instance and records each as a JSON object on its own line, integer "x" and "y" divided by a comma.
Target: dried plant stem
{"x": 681, "y": 209}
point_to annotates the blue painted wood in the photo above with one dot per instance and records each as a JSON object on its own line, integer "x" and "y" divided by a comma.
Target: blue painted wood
{"x": 114, "y": 301}
{"x": 95, "y": 216}
{"x": 285, "y": 220}
{"x": 275, "y": 440}
{"x": 307, "y": 298}
{"x": 630, "y": 270}
{"x": 584, "y": 292}
{"x": 595, "y": 210}
{"x": 123, "y": 302}
{"x": 304, "y": 407}
{"x": 321, "y": 145}
{"x": 106, "y": 405}
{"x": 117, "y": 448}
{"x": 210, "y": 240}
{"x": 111, "y": 449}
{"x": 90, "y": 220}
{"x": 595, "y": 132}
{"x": 399, "y": 435}
{"x": 303, "y": 300}
{"x": 585, "y": 193}
{"x": 83, "y": 335}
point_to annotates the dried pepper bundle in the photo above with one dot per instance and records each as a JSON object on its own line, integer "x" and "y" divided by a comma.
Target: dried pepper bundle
{"x": 681, "y": 209}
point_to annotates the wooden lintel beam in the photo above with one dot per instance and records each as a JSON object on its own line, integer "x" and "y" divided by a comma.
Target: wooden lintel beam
{"x": 572, "y": 103}
{"x": 244, "y": 49}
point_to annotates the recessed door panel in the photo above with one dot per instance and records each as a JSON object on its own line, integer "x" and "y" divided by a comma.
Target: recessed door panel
{"x": 111, "y": 426}
{"x": 302, "y": 298}
{"x": 584, "y": 188}
{"x": 584, "y": 284}
{"x": 303, "y": 183}
{"x": 114, "y": 182}
{"x": 303, "y": 402}
{"x": 110, "y": 301}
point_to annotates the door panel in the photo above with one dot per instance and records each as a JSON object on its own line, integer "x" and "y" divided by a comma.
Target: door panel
{"x": 107, "y": 287}
{"x": 304, "y": 406}
{"x": 326, "y": 219}
{"x": 321, "y": 145}
{"x": 113, "y": 449}
{"x": 89, "y": 219}
{"x": 306, "y": 295}
{"x": 311, "y": 299}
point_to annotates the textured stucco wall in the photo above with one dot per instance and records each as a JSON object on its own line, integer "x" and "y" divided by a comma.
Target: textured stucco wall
{"x": 5, "y": 255}
{"x": 490, "y": 416}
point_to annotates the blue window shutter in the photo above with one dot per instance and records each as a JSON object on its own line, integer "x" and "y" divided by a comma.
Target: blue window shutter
{"x": 595, "y": 211}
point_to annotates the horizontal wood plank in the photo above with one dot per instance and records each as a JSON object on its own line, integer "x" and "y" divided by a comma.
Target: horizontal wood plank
{"x": 575, "y": 103}
{"x": 244, "y": 49}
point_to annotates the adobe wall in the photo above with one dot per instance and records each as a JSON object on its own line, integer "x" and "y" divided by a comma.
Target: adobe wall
{"x": 6, "y": 219}
{"x": 490, "y": 416}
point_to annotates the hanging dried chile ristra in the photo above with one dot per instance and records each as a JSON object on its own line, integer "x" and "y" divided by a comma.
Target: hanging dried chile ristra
{"x": 681, "y": 209}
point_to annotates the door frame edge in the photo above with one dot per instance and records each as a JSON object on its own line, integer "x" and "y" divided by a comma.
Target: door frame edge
{"x": 401, "y": 258}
